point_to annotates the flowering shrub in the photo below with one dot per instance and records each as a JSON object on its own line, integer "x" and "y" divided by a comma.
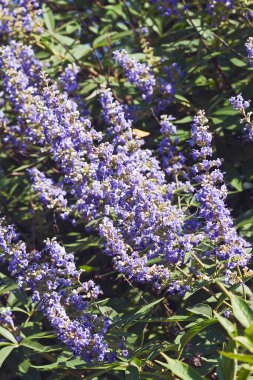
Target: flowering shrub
{"x": 125, "y": 193}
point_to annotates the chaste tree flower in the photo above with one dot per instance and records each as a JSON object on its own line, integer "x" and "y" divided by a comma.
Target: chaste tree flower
{"x": 211, "y": 195}
{"x": 249, "y": 49}
{"x": 20, "y": 19}
{"x": 139, "y": 74}
{"x": 121, "y": 185}
{"x": 55, "y": 284}
{"x": 143, "y": 77}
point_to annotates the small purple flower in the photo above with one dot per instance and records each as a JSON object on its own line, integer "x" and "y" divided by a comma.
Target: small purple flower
{"x": 249, "y": 49}
{"x": 68, "y": 79}
{"x": 139, "y": 74}
{"x": 238, "y": 103}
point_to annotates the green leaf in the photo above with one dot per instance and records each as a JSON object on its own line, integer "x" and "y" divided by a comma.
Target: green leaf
{"x": 249, "y": 332}
{"x": 245, "y": 218}
{"x": 103, "y": 40}
{"x": 237, "y": 184}
{"x": 241, "y": 357}
{"x": 132, "y": 373}
{"x": 227, "y": 325}
{"x": 4, "y": 353}
{"x": 8, "y": 335}
{"x": 80, "y": 51}
{"x": 182, "y": 370}
{"x": 173, "y": 318}
{"x": 118, "y": 9}
{"x": 201, "y": 309}
{"x": 36, "y": 346}
{"x": 245, "y": 342}
{"x": 183, "y": 100}
{"x": 48, "y": 18}
{"x": 65, "y": 40}
{"x": 194, "y": 330}
{"x": 242, "y": 311}
{"x": 227, "y": 367}
{"x": 142, "y": 312}
{"x": 237, "y": 62}
{"x": 243, "y": 373}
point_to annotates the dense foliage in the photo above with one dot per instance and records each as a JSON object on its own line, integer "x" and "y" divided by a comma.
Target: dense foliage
{"x": 126, "y": 185}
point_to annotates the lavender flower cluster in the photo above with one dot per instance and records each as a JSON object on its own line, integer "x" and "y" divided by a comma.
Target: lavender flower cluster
{"x": 167, "y": 7}
{"x": 68, "y": 78}
{"x": 55, "y": 284}
{"x": 137, "y": 73}
{"x": 143, "y": 77}
{"x": 239, "y": 104}
{"x": 68, "y": 81}
{"x": 120, "y": 184}
{"x": 249, "y": 49}
{"x": 176, "y": 7}
{"x": 211, "y": 197}
{"x": 220, "y": 5}
{"x": 20, "y": 19}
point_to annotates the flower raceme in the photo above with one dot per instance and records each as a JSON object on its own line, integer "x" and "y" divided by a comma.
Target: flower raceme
{"x": 20, "y": 19}
{"x": 211, "y": 197}
{"x": 239, "y": 104}
{"x": 142, "y": 76}
{"x": 137, "y": 73}
{"x": 55, "y": 284}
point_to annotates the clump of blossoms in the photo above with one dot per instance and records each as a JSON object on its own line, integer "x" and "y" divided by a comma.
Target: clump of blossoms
{"x": 7, "y": 321}
{"x": 139, "y": 74}
{"x": 211, "y": 195}
{"x": 167, "y": 7}
{"x": 239, "y": 104}
{"x": 140, "y": 188}
{"x": 249, "y": 49}
{"x": 113, "y": 180}
{"x": 68, "y": 78}
{"x": 19, "y": 63}
{"x": 6, "y": 317}
{"x": 52, "y": 195}
{"x": 221, "y": 6}
{"x": 110, "y": 179}
{"x": 173, "y": 161}
{"x": 68, "y": 303}
{"x": 20, "y": 19}
{"x": 69, "y": 82}
{"x": 143, "y": 77}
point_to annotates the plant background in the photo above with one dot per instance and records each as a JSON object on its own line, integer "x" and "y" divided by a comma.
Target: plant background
{"x": 209, "y": 50}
